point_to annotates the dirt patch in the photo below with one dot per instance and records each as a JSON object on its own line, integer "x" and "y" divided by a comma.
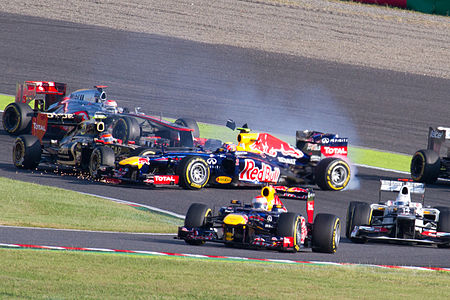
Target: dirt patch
{"x": 342, "y": 32}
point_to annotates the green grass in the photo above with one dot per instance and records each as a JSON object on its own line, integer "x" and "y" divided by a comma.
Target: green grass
{"x": 43, "y": 274}
{"x": 27, "y": 204}
{"x": 5, "y": 100}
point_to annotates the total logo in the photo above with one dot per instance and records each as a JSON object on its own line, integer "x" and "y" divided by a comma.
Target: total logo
{"x": 331, "y": 151}
{"x": 163, "y": 179}
{"x": 253, "y": 173}
{"x": 39, "y": 127}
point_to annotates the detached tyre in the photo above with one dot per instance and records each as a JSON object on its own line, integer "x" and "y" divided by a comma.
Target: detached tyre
{"x": 17, "y": 118}
{"x": 444, "y": 223}
{"x": 197, "y": 216}
{"x": 326, "y": 233}
{"x": 425, "y": 166}
{"x": 101, "y": 157}
{"x": 332, "y": 174}
{"x": 289, "y": 225}
{"x": 189, "y": 123}
{"x": 27, "y": 152}
{"x": 193, "y": 172}
{"x": 126, "y": 129}
{"x": 361, "y": 214}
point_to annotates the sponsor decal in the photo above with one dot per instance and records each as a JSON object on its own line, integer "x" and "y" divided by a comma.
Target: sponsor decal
{"x": 332, "y": 151}
{"x": 304, "y": 231}
{"x": 436, "y": 134}
{"x": 39, "y": 126}
{"x": 310, "y": 210}
{"x": 288, "y": 242}
{"x": 223, "y": 179}
{"x": 270, "y": 145}
{"x": 165, "y": 179}
{"x": 326, "y": 140}
{"x": 285, "y": 160}
{"x": 253, "y": 173}
{"x": 211, "y": 161}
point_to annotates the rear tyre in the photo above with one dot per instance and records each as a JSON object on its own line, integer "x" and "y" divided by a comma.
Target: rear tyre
{"x": 17, "y": 118}
{"x": 332, "y": 174}
{"x": 126, "y": 129}
{"x": 27, "y": 152}
{"x": 326, "y": 233}
{"x": 193, "y": 172}
{"x": 101, "y": 156}
{"x": 444, "y": 223}
{"x": 425, "y": 166}
{"x": 361, "y": 214}
{"x": 189, "y": 123}
{"x": 196, "y": 217}
{"x": 289, "y": 225}
{"x": 348, "y": 227}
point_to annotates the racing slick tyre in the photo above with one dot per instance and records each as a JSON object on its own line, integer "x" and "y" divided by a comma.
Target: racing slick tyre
{"x": 348, "y": 228}
{"x": 189, "y": 123}
{"x": 193, "y": 172}
{"x": 326, "y": 233}
{"x": 289, "y": 225}
{"x": 102, "y": 156}
{"x": 361, "y": 214}
{"x": 17, "y": 118}
{"x": 332, "y": 174}
{"x": 444, "y": 224}
{"x": 27, "y": 152}
{"x": 196, "y": 216}
{"x": 425, "y": 166}
{"x": 126, "y": 129}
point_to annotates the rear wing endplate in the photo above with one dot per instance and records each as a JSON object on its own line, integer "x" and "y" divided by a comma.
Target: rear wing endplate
{"x": 396, "y": 185}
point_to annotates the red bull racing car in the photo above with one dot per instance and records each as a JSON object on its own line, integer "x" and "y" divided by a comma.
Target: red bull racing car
{"x": 263, "y": 224}
{"x": 257, "y": 159}
{"x": 427, "y": 165}
{"x": 399, "y": 220}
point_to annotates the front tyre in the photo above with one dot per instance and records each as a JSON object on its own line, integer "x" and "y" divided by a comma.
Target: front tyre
{"x": 101, "y": 157}
{"x": 444, "y": 223}
{"x": 360, "y": 214}
{"x": 289, "y": 225}
{"x": 193, "y": 172}
{"x": 26, "y": 152}
{"x": 326, "y": 233}
{"x": 197, "y": 216}
{"x": 332, "y": 173}
{"x": 17, "y": 118}
{"x": 425, "y": 166}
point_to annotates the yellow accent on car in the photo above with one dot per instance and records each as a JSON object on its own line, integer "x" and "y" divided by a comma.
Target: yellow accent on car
{"x": 235, "y": 219}
{"x": 132, "y": 161}
{"x": 245, "y": 140}
{"x": 228, "y": 236}
{"x": 223, "y": 179}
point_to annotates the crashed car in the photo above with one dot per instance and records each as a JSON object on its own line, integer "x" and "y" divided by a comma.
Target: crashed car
{"x": 95, "y": 145}
{"x": 399, "y": 220}
{"x": 427, "y": 165}
{"x": 50, "y": 97}
{"x": 257, "y": 159}
{"x": 263, "y": 224}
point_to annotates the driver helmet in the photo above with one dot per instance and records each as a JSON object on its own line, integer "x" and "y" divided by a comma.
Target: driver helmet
{"x": 110, "y": 105}
{"x": 403, "y": 197}
{"x": 107, "y": 138}
{"x": 260, "y": 203}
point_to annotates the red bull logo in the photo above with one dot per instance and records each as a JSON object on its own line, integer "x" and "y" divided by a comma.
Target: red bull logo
{"x": 270, "y": 145}
{"x": 251, "y": 172}
{"x": 143, "y": 161}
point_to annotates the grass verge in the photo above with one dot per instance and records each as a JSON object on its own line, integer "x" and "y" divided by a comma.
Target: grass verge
{"x": 73, "y": 275}
{"x": 5, "y": 100}
{"x": 43, "y": 206}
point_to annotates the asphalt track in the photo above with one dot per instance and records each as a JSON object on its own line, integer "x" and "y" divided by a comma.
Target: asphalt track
{"x": 376, "y": 108}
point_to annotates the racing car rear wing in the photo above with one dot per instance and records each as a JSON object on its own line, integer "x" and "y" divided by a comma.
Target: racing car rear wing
{"x": 437, "y": 137}
{"x": 396, "y": 186}
{"x": 321, "y": 144}
{"x": 307, "y": 194}
{"x": 28, "y": 91}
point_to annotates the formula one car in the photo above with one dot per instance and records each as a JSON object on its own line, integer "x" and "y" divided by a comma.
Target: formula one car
{"x": 263, "y": 224}
{"x": 94, "y": 145}
{"x": 51, "y": 97}
{"x": 399, "y": 220}
{"x": 429, "y": 164}
{"x": 258, "y": 159}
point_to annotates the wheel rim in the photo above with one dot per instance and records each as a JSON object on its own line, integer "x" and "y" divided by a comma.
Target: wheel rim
{"x": 95, "y": 163}
{"x": 18, "y": 153}
{"x": 298, "y": 234}
{"x": 120, "y": 130}
{"x": 198, "y": 173}
{"x": 339, "y": 175}
{"x": 337, "y": 236}
{"x": 417, "y": 166}
{"x": 11, "y": 120}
